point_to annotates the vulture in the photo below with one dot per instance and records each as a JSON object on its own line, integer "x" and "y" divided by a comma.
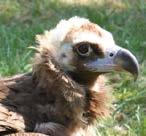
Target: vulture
{"x": 66, "y": 91}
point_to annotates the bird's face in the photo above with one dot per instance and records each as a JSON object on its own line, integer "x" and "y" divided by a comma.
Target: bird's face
{"x": 87, "y": 50}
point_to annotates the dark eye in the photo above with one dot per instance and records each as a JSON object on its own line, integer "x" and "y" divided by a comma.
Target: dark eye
{"x": 83, "y": 49}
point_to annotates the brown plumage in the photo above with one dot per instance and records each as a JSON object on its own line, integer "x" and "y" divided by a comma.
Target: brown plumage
{"x": 61, "y": 96}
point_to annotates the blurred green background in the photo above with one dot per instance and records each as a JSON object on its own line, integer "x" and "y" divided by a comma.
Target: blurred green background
{"x": 21, "y": 20}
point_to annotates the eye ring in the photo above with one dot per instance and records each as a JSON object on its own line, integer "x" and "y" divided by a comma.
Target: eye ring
{"x": 83, "y": 49}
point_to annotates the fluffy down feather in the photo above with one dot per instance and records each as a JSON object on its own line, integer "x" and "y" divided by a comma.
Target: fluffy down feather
{"x": 49, "y": 101}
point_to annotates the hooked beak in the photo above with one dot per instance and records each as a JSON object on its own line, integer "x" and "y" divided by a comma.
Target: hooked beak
{"x": 116, "y": 59}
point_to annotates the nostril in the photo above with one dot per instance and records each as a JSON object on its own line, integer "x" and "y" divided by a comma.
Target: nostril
{"x": 111, "y": 54}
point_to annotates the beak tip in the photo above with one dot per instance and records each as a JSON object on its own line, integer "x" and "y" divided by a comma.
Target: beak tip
{"x": 128, "y": 62}
{"x": 136, "y": 71}
{"x": 135, "y": 75}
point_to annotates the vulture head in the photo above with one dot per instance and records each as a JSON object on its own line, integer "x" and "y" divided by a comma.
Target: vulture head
{"x": 84, "y": 50}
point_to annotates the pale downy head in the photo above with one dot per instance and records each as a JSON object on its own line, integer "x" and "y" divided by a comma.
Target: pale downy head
{"x": 85, "y": 50}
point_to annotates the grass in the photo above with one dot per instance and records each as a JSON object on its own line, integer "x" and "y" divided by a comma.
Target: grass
{"x": 21, "y": 20}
